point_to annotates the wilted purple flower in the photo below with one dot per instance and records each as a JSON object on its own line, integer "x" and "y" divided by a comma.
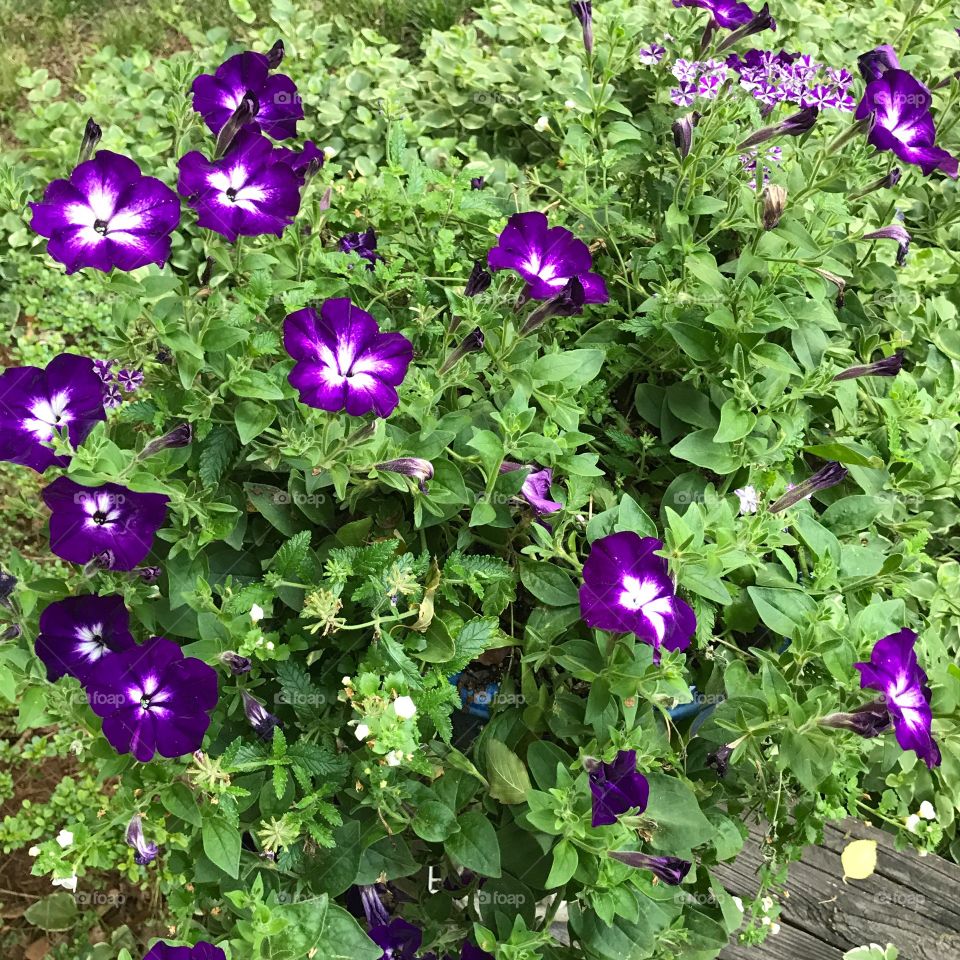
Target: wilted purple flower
{"x": 245, "y": 113}
{"x": 11, "y": 632}
{"x": 774, "y": 203}
{"x": 669, "y": 870}
{"x": 108, "y": 214}
{"x": 77, "y": 634}
{"x": 364, "y": 245}
{"x": 683, "y": 132}
{"x": 719, "y": 759}
{"x": 536, "y": 487}
{"x": 478, "y": 281}
{"x": 344, "y": 362}
{"x": 898, "y": 232}
{"x": 8, "y": 583}
{"x": 583, "y": 11}
{"x": 148, "y": 574}
{"x": 627, "y": 587}
{"x": 262, "y": 721}
{"x": 421, "y": 470}
{"x": 304, "y": 162}
{"x": 651, "y": 55}
{"x": 471, "y": 343}
{"x": 900, "y": 107}
{"x": 398, "y": 939}
{"x": 145, "y": 852}
{"x": 477, "y": 183}
{"x": 35, "y": 404}
{"x": 235, "y": 663}
{"x": 757, "y": 24}
{"x": 616, "y": 788}
{"x": 179, "y": 436}
{"x": 217, "y": 96}
{"x": 153, "y": 699}
{"x": 86, "y": 521}
{"x": 546, "y": 257}
{"x": 888, "y": 367}
{"x": 793, "y": 126}
{"x": 729, "y": 14}
{"x": 893, "y": 669}
{"x": 92, "y": 134}
{"x": 130, "y": 380}
{"x": 869, "y": 720}
{"x": 567, "y": 303}
{"x": 202, "y": 950}
{"x": 826, "y": 477}
{"x": 875, "y": 63}
{"x": 250, "y": 191}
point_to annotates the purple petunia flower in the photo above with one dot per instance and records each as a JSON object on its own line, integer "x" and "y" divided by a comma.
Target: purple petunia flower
{"x": 35, "y": 404}
{"x": 217, "y": 96}
{"x": 145, "y": 852}
{"x": 729, "y": 14}
{"x": 86, "y": 522}
{"x": 112, "y": 397}
{"x": 202, "y": 950}
{"x": 536, "y": 487}
{"x": 546, "y": 257}
{"x": 469, "y": 951}
{"x": 104, "y": 369}
{"x": 684, "y": 95}
{"x": 900, "y": 107}
{"x": 893, "y": 669}
{"x": 875, "y": 63}
{"x": 108, "y": 214}
{"x": 616, "y": 788}
{"x": 398, "y": 939}
{"x": 78, "y": 633}
{"x": 250, "y": 191}
{"x": 626, "y": 587}
{"x": 669, "y": 870}
{"x": 153, "y": 699}
{"x": 364, "y": 245}
{"x": 130, "y": 380}
{"x": 652, "y": 55}
{"x": 344, "y": 362}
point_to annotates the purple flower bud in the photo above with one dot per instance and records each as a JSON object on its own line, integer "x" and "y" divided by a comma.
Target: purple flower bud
{"x": 236, "y": 664}
{"x": 91, "y": 137}
{"x": 898, "y": 232}
{"x": 8, "y": 583}
{"x": 103, "y": 560}
{"x": 683, "y": 132}
{"x": 145, "y": 852}
{"x": 207, "y": 275}
{"x": 477, "y": 183}
{"x": 671, "y": 870}
{"x": 326, "y": 199}
{"x": 180, "y": 436}
{"x": 164, "y": 355}
{"x": 260, "y": 719}
{"x": 759, "y": 22}
{"x": 826, "y": 477}
{"x": 874, "y": 64}
{"x": 478, "y": 281}
{"x": 869, "y": 720}
{"x": 148, "y": 574}
{"x": 888, "y": 367}
{"x": 275, "y": 55}
{"x": 471, "y": 343}
{"x": 583, "y": 11}
{"x": 12, "y": 632}
{"x": 246, "y": 110}
{"x": 839, "y": 282}
{"x": 890, "y": 180}
{"x": 719, "y": 759}
{"x": 568, "y": 303}
{"x": 373, "y": 907}
{"x": 422, "y": 470}
{"x": 793, "y": 126}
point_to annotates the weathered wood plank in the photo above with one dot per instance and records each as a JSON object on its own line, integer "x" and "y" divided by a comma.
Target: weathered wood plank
{"x": 910, "y": 901}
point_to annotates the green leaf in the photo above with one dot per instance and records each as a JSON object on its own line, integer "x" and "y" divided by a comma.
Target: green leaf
{"x": 317, "y": 928}
{"x": 53, "y": 913}
{"x": 221, "y": 843}
{"x": 782, "y": 610}
{"x": 509, "y": 781}
{"x": 180, "y": 801}
{"x": 845, "y": 453}
{"x": 564, "y": 865}
{"x": 699, "y": 448}
{"x": 549, "y": 584}
{"x": 434, "y": 821}
{"x": 572, "y": 367}
{"x": 476, "y": 846}
{"x": 252, "y": 419}
{"x": 673, "y": 806}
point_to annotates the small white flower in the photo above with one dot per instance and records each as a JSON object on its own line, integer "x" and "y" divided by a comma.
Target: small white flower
{"x": 765, "y": 921}
{"x": 542, "y": 124}
{"x": 927, "y": 811}
{"x": 269, "y": 644}
{"x": 256, "y": 613}
{"x": 394, "y": 757}
{"x": 738, "y": 903}
{"x": 329, "y": 152}
{"x": 362, "y": 731}
{"x": 774, "y": 928}
{"x": 76, "y": 748}
{"x": 34, "y": 851}
{"x": 64, "y": 838}
{"x": 68, "y": 883}
{"x": 346, "y": 681}
{"x": 913, "y": 821}
{"x": 404, "y": 707}
{"x": 569, "y": 104}
{"x": 749, "y": 500}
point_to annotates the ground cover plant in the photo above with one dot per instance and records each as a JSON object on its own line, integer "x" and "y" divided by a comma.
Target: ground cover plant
{"x": 468, "y": 481}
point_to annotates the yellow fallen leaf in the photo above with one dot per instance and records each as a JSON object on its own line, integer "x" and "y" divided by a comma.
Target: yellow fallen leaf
{"x": 859, "y": 859}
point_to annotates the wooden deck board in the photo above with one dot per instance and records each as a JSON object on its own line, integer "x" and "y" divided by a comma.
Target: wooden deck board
{"x": 910, "y": 901}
